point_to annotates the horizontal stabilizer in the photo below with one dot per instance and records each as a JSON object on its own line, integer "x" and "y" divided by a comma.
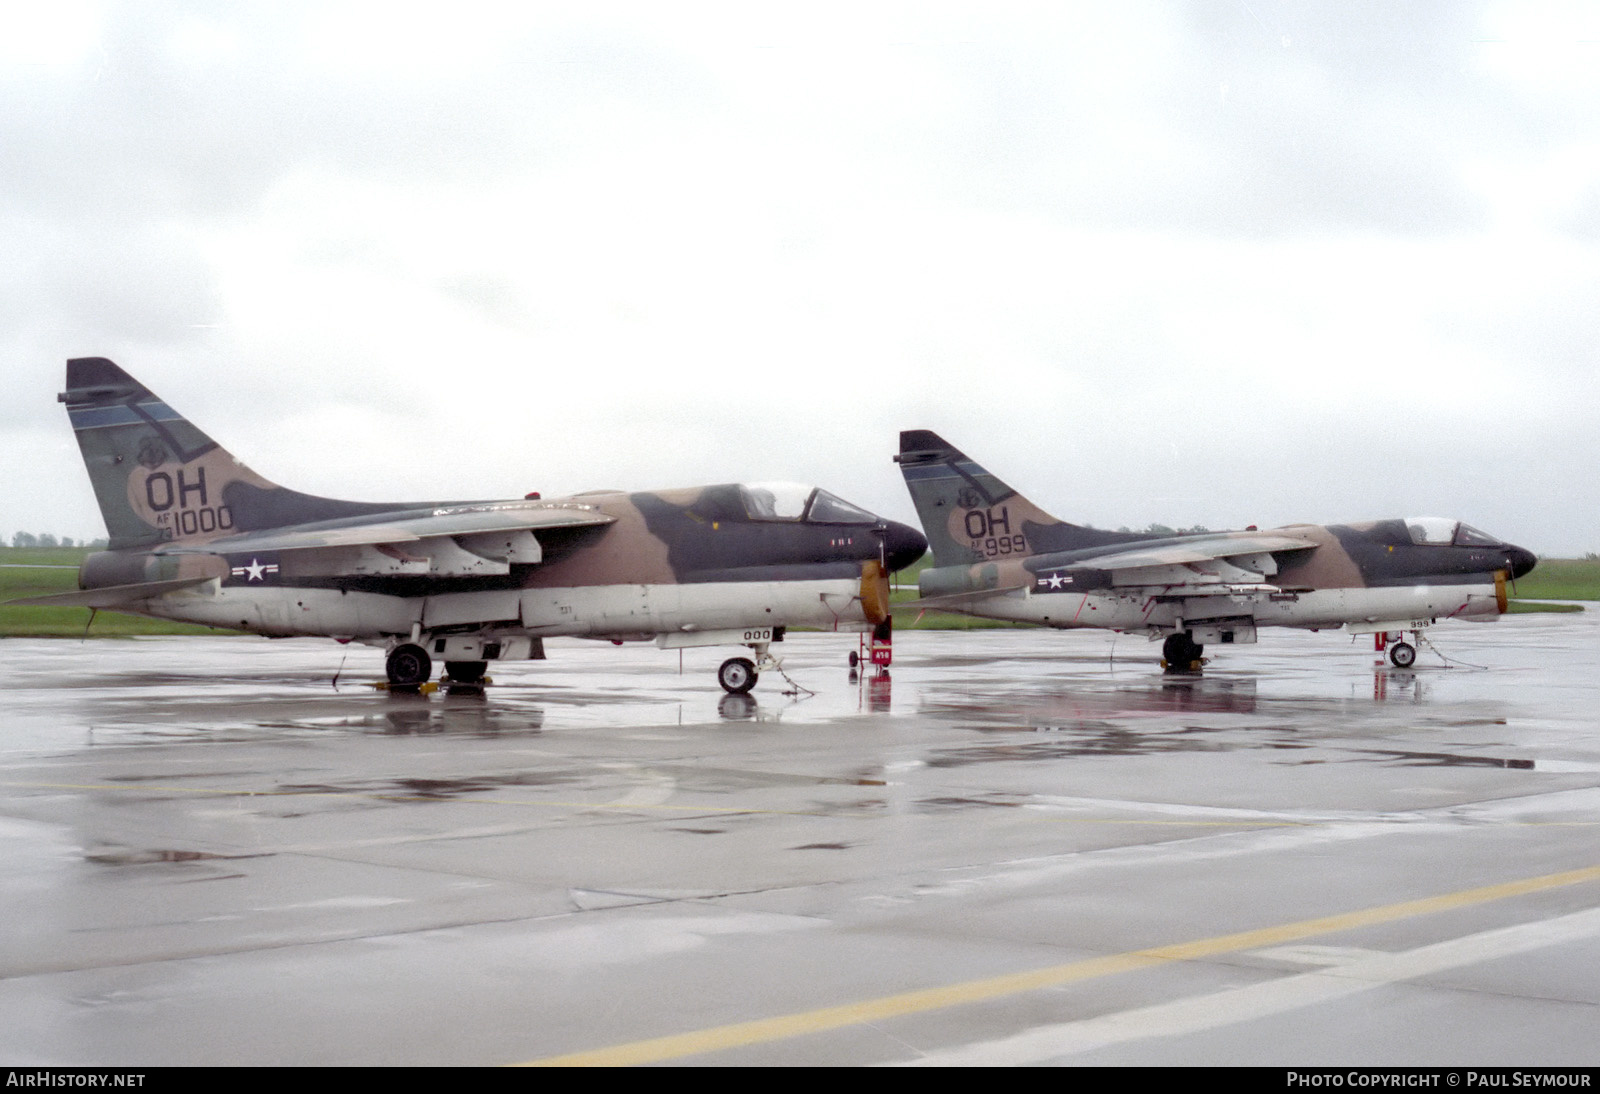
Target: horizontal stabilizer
{"x": 954, "y": 601}
{"x": 112, "y": 596}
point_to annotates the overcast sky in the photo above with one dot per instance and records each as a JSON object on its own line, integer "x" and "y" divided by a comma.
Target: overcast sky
{"x": 1211, "y": 263}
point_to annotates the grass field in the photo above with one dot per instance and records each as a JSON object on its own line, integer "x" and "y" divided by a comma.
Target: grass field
{"x": 1557, "y": 579}
{"x": 1561, "y": 579}
{"x": 38, "y": 571}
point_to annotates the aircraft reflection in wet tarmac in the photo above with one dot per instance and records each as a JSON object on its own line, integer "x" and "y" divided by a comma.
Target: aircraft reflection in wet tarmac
{"x": 1080, "y": 708}
{"x": 998, "y": 555}
{"x": 465, "y": 712}
{"x": 1154, "y": 717}
{"x": 197, "y": 536}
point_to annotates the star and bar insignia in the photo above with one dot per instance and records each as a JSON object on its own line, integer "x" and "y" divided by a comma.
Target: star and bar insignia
{"x": 259, "y": 570}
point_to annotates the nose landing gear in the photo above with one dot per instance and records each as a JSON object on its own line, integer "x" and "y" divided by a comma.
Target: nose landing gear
{"x": 737, "y": 675}
{"x": 1402, "y": 654}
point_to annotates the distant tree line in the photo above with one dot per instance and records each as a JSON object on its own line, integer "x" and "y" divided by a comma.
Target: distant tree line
{"x": 46, "y": 539}
{"x": 1163, "y": 530}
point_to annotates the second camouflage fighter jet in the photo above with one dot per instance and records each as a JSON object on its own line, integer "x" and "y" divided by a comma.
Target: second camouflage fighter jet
{"x": 997, "y": 555}
{"x": 199, "y": 537}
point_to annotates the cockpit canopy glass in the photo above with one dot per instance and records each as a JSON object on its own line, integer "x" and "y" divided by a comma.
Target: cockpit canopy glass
{"x": 1468, "y": 536}
{"x": 796, "y": 501}
{"x": 829, "y": 508}
{"x": 1441, "y": 531}
{"x": 774, "y": 500}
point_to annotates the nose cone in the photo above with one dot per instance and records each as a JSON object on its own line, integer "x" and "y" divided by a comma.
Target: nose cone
{"x": 1520, "y": 560}
{"x": 902, "y": 545}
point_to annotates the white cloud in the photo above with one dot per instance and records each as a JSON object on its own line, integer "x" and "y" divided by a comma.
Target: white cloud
{"x": 1199, "y": 265}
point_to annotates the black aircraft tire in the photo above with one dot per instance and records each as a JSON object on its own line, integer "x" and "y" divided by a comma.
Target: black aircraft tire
{"x": 1402, "y": 655}
{"x": 1175, "y": 648}
{"x": 1180, "y": 652}
{"x": 466, "y": 672}
{"x": 737, "y": 675}
{"x": 409, "y": 666}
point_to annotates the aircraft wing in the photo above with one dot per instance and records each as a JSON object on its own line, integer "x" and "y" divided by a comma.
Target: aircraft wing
{"x": 455, "y": 520}
{"x": 1205, "y": 549}
{"x": 1212, "y": 565}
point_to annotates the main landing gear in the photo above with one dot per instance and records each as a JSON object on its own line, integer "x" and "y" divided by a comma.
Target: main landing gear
{"x": 409, "y": 667}
{"x": 1181, "y": 653}
{"x": 466, "y": 672}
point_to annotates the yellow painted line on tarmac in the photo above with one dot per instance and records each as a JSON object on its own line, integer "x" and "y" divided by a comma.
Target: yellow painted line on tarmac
{"x": 1320, "y": 823}
{"x": 765, "y": 1030}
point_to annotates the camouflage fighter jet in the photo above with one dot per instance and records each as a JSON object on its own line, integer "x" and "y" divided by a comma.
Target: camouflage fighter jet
{"x": 997, "y": 555}
{"x": 199, "y": 537}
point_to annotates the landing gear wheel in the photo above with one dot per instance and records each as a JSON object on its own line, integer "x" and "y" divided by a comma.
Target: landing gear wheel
{"x": 855, "y": 659}
{"x": 1174, "y": 644}
{"x": 1181, "y": 652}
{"x": 737, "y": 675}
{"x": 1402, "y": 655}
{"x": 466, "y": 672}
{"x": 409, "y": 666}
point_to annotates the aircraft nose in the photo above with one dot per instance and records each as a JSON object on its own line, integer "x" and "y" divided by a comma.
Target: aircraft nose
{"x": 1520, "y": 560}
{"x": 902, "y": 544}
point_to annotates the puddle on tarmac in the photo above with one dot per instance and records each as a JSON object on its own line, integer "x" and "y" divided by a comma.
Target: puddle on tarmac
{"x": 1399, "y": 758}
{"x": 952, "y": 804}
{"x": 1185, "y": 696}
{"x": 1111, "y": 744}
{"x": 130, "y": 856}
{"x": 418, "y": 789}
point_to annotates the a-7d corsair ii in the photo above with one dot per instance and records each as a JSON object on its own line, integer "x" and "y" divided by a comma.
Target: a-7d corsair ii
{"x": 199, "y": 537}
{"x": 998, "y": 555}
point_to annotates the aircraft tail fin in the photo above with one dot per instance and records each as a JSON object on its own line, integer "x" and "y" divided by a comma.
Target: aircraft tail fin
{"x": 969, "y": 515}
{"x": 159, "y": 479}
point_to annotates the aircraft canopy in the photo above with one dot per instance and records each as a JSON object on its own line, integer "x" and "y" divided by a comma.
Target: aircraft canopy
{"x": 796, "y": 501}
{"x": 1442, "y": 531}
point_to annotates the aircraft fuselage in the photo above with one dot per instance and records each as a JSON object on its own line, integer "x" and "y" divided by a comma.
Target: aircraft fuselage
{"x": 1000, "y": 556}
{"x": 683, "y": 561}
